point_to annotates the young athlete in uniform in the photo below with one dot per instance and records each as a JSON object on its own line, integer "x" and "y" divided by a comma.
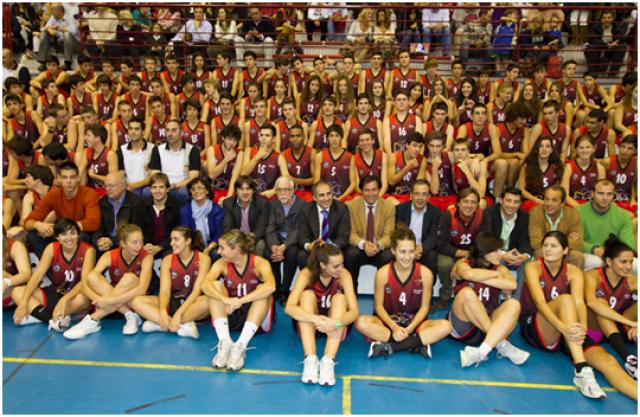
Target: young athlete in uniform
{"x": 66, "y": 263}
{"x": 336, "y": 165}
{"x": 16, "y": 268}
{"x": 402, "y": 297}
{"x": 477, "y": 314}
{"x": 240, "y": 287}
{"x": 180, "y": 301}
{"x": 323, "y": 300}
{"x": 542, "y": 168}
{"x": 580, "y": 174}
{"x": 224, "y": 161}
{"x": 554, "y": 315}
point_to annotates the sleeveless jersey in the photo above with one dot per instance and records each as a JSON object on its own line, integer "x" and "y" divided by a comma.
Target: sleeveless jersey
{"x": 284, "y": 133}
{"x": 183, "y": 277}
{"x": 5, "y": 161}
{"x": 370, "y": 77}
{"x": 445, "y": 175}
{"x": 401, "y": 81}
{"x": 429, "y": 127}
{"x": 460, "y": 180}
{"x": 341, "y": 110}
{"x": 498, "y": 113}
{"x": 618, "y": 96}
{"x": 619, "y": 298}
{"x": 600, "y": 140}
{"x": 355, "y": 127}
{"x": 139, "y": 107}
{"x": 415, "y": 109}
{"x": 622, "y": 178}
{"x": 400, "y": 131}
{"x": 194, "y": 136}
{"x": 489, "y": 296}
{"x": 549, "y": 178}
{"x": 426, "y": 85}
{"x": 562, "y": 115}
{"x": 219, "y": 124}
{"x": 336, "y": 171}
{"x": 200, "y": 79}
{"x": 248, "y": 79}
{"x": 540, "y": 89}
{"x": 240, "y": 284}
{"x": 324, "y": 293}
{"x": 461, "y": 235}
{"x": 355, "y": 82}
{"x": 320, "y": 139}
{"x": 106, "y": 108}
{"x": 582, "y": 183}
{"x": 275, "y": 108}
{"x": 266, "y": 171}
{"x": 403, "y": 300}
{"x": 298, "y": 79}
{"x": 510, "y": 142}
{"x": 121, "y": 133}
{"x": 480, "y": 143}
{"x": 594, "y": 97}
{"x": 223, "y": 181}
{"x": 119, "y": 266}
{"x": 46, "y": 104}
{"x": 182, "y": 100}
{"x": 158, "y": 130}
{"x": 570, "y": 91}
{"x": 378, "y": 111}
{"x": 145, "y": 80}
{"x": 271, "y": 84}
{"x": 98, "y": 165}
{"x": 225, "y": 80}
{"x": 66, "y": 274}
{"x": 254, "y": 131}
{"x": 9, "y": 264}
{"x": 552, "y": 287}
{"x": 77, "y": 104}
{"x": 404, "y": 185}
{"x": 28, "y": 129}
{"x": 249, "y": 110}
{"x": 327, "y": 86}
{"x": 557, "y": 137}
{"x": 214, "y": 109}
{"x": 483, "y": 94}
{"x": 174, "y": 84}
{"x": 299, "y": 167}
{"x": 374, "y": 168}
{"x": 453, "y": 87}
{"x": 309, "y": 110}
{"x": 630, "y": 117}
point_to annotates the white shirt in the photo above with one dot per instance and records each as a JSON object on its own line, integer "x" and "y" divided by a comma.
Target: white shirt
{"x": 507, "y": 227}
{"x": 200, "y": 34}
{"x": 320, "y": 219}
{"x": 228, "y": 34}
{"x": 136, "y": 164}
{"x": 173, "y": 163}
{"x": 417, "y": 221}
{"x": 431, "y": 16}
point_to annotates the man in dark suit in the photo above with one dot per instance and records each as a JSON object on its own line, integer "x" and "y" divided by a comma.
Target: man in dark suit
{"x": 325, "y": 220}
{"x": 422, "y": 218}
{"x": 512, "y": 225}
{"x": 248, "y": 212}
{"x": 602, "y": 52}
{"x": 282, "y": 235}
{"x": 119, "y": 206}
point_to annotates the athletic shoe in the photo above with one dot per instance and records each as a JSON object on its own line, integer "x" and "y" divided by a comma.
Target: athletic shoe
{"x": 236, "y": 357}
{"x": 587, "y": 384}
{"x": 150, "y": 327}
{"x": 84, "y": 328}
{"x": 424, "y": 351}
{"x": 631, "y": 366}
{"x": 221, "y": 358}
{"x": 28, "y": 319}
{"x": 471, "y": 356}
{"x": 133, "y": 323}
{"x": 61, "y": 324}
{"x": 327, "y": 376}
{"x": 379, "y": 349}
{"x": 517, "y": 356}
{"x": 189, "y": 329}
{"x": 311, "y": 370}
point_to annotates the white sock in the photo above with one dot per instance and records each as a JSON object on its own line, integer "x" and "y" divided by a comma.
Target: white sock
{"x": 248, "y": 330}
{"x": 485, "y": 349}
{"x": 130, "y": 315}
{"x": 222, "y": 329}
{"x": 502, "y": 344}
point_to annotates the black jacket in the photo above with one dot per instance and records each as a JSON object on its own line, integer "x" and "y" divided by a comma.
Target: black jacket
{"x": 618, "y": 32}
{"x": 171, "y": 218}
{"x": 519, "y": 238}
{"x": 278, "y": 221}
{"x": 130, "y": 212}
{"x": 430, "y": 220}
{"x": 339, "y": 224}
{"x": 259, "y": 213}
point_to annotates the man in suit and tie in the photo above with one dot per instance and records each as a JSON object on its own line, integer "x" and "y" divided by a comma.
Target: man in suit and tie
{"x": 248, "y": 211}
{"x": 282, "y": 235}
{"x": 422, "y": 218}
{"x": 326, "y": 220}
{"x": 372, "y": 222}
{"x": 512, "y": 224}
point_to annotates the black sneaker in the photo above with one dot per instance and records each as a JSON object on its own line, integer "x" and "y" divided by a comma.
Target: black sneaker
{"x": 424, "y": 351}
{"x": 379, "y": 349}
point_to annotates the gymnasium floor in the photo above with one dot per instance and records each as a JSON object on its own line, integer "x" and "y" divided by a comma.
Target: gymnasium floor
{"x": 108, "y": 373}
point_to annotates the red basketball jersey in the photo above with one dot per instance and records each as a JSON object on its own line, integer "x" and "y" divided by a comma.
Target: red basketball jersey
{"x": 119, "y": 266}
{"x": 404, "y": 185}
{"x": 373, "y": 168}
{"x": 489, "y": 296}
{"x": 183, "y": 277}
{"x": 242, "y": 283}
{"x": 402, "y": 300}
{"x": 266, "y": 171}
{"x": 622, "y": 177}
{"x": 461, "y": 234}
{"x": 552, "y": 287}
{"x": 510, "y": 141}
{"x": 481, "y": 142}
{"x": 582, "y": 183}
{"x": 299, "y": 167}
{"x": 619, "y": 297}
{"x": 400, "y": 131}
{"x": 63, "y": 273}
{"x": 356, "y": 126}
{"x": 336, "y": 171}
{"x": 223, "y": 181}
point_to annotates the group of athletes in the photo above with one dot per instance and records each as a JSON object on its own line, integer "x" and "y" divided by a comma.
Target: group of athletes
{"x": 317, "y": 126}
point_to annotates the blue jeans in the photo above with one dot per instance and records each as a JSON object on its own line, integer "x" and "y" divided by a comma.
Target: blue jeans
{"x": 445, "y": 40}
{"x": 518, "y": 273}
{"x": 411, "y": 36}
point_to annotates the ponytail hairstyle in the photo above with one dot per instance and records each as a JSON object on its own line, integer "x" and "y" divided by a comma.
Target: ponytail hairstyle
{"x": 197, "y": 243}
{"x": 321, "y": 254}
{"x": 127, "y": 230}
{"x": 483, "y": 244}
{"x": 237, "y": 238}
{"x": 402, "y": 232}
{"x": 613, "y": 248}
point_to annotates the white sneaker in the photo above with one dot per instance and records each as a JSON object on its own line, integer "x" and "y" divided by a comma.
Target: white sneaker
{"x": 631, "y": 366}
{"x": 517, "y": 356}
{"x": 85, "y": 327}
{"x": 587, "y": 384}
{"x": 311, "y": 370}
{"x": 189, "y": 329}
{"x": 327, "y": 375}
{"x": 61, "y": 324}
{"x": 471, "y": 356}
{"x": 236, "y": 357}
{"x": 28, "y": 319}
{"x": 133, "y": 323}
{"x": 221, "y": 358}
{"x": 150, "y": 327}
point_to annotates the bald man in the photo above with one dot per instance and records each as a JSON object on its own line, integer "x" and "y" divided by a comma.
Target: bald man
{"x": 117, "y": 207}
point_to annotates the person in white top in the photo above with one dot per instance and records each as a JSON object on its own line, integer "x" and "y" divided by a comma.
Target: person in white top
{"x": 196, "y": 31}
{"x": 59, "y": 29}
{"x": 435, "y": 23}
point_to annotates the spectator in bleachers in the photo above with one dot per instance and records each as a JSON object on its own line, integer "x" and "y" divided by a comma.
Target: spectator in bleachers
{"x": 330, "y": 21}
{"x": 27, "y": 19}
{"x": 169, "y": 19}
{"x": 59, "y": 31}
{"x": 579, "y": 21}
{"x": 258, "y": 31}
{"x": 129, "y": 38}
{"x": 411, "y": 30}
{"x": 606, "y": 45}
{"x": 10, "y": 68}
{"x": 360, "y": 35}
{"x": 476, "y": 38}
{"x": 156, "y": 41}
{"x": 225, "y": 33}
{"x": 102, "y": 24}
{"x": 384, "y": 37}
{"x": 142, "y": 17}
{"x": 435, "y": 23}
{"x": 196, "y": 31}
{"x": 503, "y": 38}
{"x": 337, "y": 23}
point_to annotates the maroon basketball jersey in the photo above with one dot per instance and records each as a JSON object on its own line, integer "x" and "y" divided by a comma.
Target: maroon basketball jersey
{"x": 402, "y": 300}
{"x": 483, "y": 94}
{"x": 242, "y": 283}
{"x": 622, "y": 177}
{"x": 9, "y": 265}
{"x": 429, "y": 127}
{"x": 266, "y": 171}
{"x": 630, "y": 117}
{"x": 299, "y": 167}
{"x": 138, "y": 107}
{"x": 271, "y": 84}
{"x": 582, "y": 183}
{"x": 552, "y": 287}
{"x": 194, "y": 136}
{"x": 223, "y": 181}
{"x": 374, "y": 168}
{"x": 498, "y": 113}
{"x": 461, "y": 234}
{"x": 158, "y": 130}
{"x": 488, "y": 296}
{"x": 28, "y": 130}
{"x": 225, "y": 81}
{"x": 98, "y": 165}
{"x": 378, "y": 111}
{"x": 404, "y": 185}
{"x": 298, "y": 79}
{"x": 400, "y": 80}
{"x": 183, "y": 277}
{"x": 336, "y": 171}
{"x": 549, "y": 178}
{"x": 174, "y": 84}
{"x": 77, "y": 103}
{"x": 254, "y": 131}
{"x": 480, "y": 143}
{"x": 460, "y": 180}
{"x": 320, "y": 139}
{"x": 200, "y": 79}
{"x": 593, "y": 97}
{"x": 557, "y": 137}
{"x": 284, "y": 133}
{"x": 121, "y": 133}
{"x": 214, "y": 109}
{"x": 324, "y": 293}
{"x": 119, "y": 266}
{"x": 510, "y": 141}
{"x": 453, "y": 87}
{"x": 619, "y": 297}
{"x": 248, "y": 79}
{"x": 63, "y": 273}
{"x": 541, "y": 89}
{"x": 220, "y": 124}
{"x": 309, "y": 110}
{"x": 400, "y": 131}
{"x": 370, "y": 77}
{"x": 145, "y": 80}
{"x": 445, "y": 175}
{"x": 600, "y": 140}
{"x": 275, "y": 108}
{"x": 570, "y": 91}
{"x": 106, "y": 108}
{"x": 182, "y": 100}
{"x": 356, "y": 126}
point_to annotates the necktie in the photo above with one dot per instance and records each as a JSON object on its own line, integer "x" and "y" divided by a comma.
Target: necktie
{"x": 244, "y": 219}
{"x": 324, "y": 234}
{"x": 370, "y": 225}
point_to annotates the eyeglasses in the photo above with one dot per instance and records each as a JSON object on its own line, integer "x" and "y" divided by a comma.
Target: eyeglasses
{"x": 283, "y": 190}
